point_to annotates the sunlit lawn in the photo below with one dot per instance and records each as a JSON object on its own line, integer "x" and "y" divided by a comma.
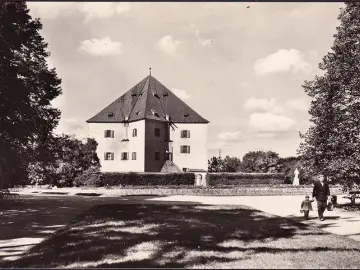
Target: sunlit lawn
{"x": 146, "y": 235}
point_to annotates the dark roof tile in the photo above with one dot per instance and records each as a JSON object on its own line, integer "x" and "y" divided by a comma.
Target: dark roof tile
{"x": 142, "y": 100}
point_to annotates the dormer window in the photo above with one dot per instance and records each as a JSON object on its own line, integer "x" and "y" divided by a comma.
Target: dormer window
{"x": 186, "y": 115}
{"x": 154, "y": 113}
{"x": 133, "y": 95}
{"x": 165, "y": 95}
{"x": 155, "y": 95}
{"x": 110, "y": 114}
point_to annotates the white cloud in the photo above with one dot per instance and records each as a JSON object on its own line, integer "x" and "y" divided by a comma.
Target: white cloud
{"x": 168, "y": 44}
{"x": 53, "y": 10}
{"x": 271, "y": 123}
{"x": 300, "y": 104}
{"x": 282, "y": 61}
{"x": 72, "y": 126}
{"x": 50, "y": 10}
{"x": 202, "y": 42}
{"x": 244, "y": 84}
{"x": 262, "y": 105}
{"x": 180, "y": 93}
{"x": 58, "y": 102}
{"x": 103, "y": 9}
{"x": 101, "y": 47}
{"x": 231, "y": 136}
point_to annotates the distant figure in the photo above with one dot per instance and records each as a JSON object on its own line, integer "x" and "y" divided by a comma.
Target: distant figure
{"x": 306, "y": 207}
{"x": 296, "y": 178}
{"x": 321, "y": 193}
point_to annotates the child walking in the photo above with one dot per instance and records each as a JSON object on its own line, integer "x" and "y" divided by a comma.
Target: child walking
{"x": 306, "y": 207}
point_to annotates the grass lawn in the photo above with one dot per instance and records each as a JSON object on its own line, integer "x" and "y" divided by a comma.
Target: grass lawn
{"x": 200, "y": 236}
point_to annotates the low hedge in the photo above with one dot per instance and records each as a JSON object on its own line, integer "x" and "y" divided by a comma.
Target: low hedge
{"x": 147, "y": 179}
{"x": 241, "y": 179}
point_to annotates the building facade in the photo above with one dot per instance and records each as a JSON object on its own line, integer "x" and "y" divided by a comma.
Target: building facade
{"x": 147, "y": 126}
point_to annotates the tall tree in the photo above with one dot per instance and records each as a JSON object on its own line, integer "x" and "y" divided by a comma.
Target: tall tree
{"x": 215, "y": 164}
{"x": 260, "y": 162}
{"x": 332, "y": 143}
{"x": 231, "y": 164}
{"x": 62, "y": 160}
{"x": 27, "y": 86}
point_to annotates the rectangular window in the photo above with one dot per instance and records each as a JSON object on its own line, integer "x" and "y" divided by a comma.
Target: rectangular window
{"x": 185, "y": 149}
{"x": 186, "y": 169}
{"x": 109, "y": 134}
{"x": 124, "y": 156}
{"x": 157, "y": 132}
{"x": 134, "y": 132}
{"x": 185, "y": 134}
{"x": 109, "y": 156}
{"x": 157, "y": 155}
{"x": 133, "y": 156}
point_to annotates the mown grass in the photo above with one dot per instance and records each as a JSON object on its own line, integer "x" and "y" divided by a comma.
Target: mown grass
{"x": 186, "y": 236}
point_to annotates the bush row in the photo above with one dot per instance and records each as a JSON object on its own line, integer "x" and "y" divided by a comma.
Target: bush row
{"x": 147, "y": 179}
{"x": 241, "y": 179}
{"x": 214, "y": 191}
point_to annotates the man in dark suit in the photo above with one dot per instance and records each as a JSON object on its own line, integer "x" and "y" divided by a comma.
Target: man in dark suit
{"x": 321, "y": 192}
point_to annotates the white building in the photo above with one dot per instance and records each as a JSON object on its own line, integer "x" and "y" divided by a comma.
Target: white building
{"x": 145, "y": 127}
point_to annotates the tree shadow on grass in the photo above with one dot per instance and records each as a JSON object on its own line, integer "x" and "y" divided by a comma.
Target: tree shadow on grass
{"x": 184, "y": 235}
{"x": 26, "y": 223}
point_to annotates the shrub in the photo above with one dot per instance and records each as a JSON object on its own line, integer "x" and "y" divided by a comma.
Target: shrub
{"x": 91, "y": 178}
{"x": 235, "y": 179}
{"x": 147, "y": 179}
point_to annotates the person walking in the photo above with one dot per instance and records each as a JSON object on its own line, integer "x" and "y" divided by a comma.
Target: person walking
{"x": 306, "y": 207}
{"x": 321, "y": 192}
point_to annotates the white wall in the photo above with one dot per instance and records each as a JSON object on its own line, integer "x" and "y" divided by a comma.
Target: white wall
{"x": 197, "y": 159}
{"x": 114, "y": 145}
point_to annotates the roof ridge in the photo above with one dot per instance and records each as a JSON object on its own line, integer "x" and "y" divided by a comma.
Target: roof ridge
{"x": 161, "y": 105}
{"x": 138, "y": 96}
{"x": 147, "y": 94}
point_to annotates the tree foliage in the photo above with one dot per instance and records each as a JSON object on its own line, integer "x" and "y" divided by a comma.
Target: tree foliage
{"x": 215, "y": 164}
{"x": 27, "y": 86}
{"x": 64, "y": 160}
{"x": 231, "y": 164}
{"x": 332, "y": 144}
{"x": 228, "y": 164}
{"x": 260, "y": 162}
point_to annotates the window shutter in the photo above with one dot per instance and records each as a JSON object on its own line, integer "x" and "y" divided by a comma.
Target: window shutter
{"x": 112, "y": 156}
{"x": 105, "y": 157}
{"x": 188, "y": 133}
{"x": 105, "y": 133}
{"x": 188, "y": 149}
{"x": 112, "y": 134}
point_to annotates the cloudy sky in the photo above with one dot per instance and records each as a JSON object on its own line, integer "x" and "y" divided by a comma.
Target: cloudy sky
{"x": 240, "y": 68}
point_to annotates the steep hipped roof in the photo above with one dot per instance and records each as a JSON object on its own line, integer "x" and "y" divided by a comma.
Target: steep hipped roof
{"x": 149, "y": 99}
